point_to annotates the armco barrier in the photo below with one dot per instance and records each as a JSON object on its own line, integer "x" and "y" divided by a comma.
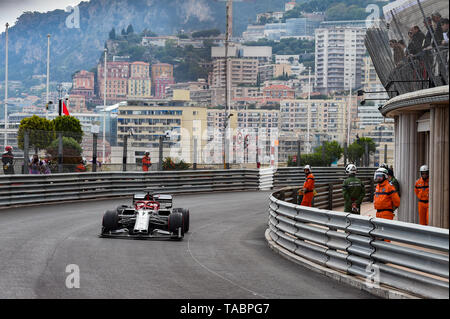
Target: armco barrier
{"x": 29, "y": 189}
{"x": 376, "y": 252}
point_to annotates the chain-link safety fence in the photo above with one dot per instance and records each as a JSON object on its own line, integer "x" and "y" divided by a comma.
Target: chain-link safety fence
{"x": 409, "y": 48}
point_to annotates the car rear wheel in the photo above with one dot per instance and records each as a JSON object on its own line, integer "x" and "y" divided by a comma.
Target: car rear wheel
{"x": 110, "y": 221}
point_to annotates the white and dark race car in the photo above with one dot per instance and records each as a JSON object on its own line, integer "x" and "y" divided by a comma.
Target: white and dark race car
{"x": 150, "y": 216}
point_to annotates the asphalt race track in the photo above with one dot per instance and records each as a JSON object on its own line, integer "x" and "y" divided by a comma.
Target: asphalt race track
{"x": 223, "y": 256}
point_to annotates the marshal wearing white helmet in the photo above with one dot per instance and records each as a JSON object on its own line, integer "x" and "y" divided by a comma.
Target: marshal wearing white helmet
{"x": 353, "y": 191}
{"x": 306, "y": 194}
{"x": 422, "y": 191}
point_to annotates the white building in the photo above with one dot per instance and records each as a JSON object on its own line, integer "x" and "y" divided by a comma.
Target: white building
{"x": 339, "y": 58}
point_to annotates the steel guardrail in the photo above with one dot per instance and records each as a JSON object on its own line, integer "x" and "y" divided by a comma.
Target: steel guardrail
{"x": 34, "y": 189}
{"x": 408, "y": 257}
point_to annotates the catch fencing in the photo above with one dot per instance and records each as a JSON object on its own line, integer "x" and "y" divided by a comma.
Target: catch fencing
{"x": 377, "y": 252}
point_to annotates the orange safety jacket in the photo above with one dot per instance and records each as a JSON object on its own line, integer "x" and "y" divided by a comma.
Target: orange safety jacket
{"x": 309, "y": 183}
{"x": 80, "y": 168}
{"x": 146, "y": 162}
{"x": 422, "y": 190}
{"x": 386, "y": 197}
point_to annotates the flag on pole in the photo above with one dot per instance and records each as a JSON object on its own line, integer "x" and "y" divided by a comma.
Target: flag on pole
{"x": 65, "y": 111}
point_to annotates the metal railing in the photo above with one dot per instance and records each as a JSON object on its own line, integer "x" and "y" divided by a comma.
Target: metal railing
{"x": 34, "y": 189}
{"x": 408, "y": 257}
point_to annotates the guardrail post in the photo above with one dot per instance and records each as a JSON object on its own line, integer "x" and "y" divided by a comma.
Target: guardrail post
{"x": 160, "y": 155}
{"x": 125, "y": 150}
{"x": 94, "y": 152}
{"x": 372, "y": 189}
{"x": 60, "y": 153}
{"x": 345, "y": 154}
{"x": 26, "y": 157}
{"x": 330, "y": 196}
{"x": 194, "y": 160}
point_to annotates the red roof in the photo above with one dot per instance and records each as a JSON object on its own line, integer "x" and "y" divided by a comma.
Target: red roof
{"x": 278, "y": 87}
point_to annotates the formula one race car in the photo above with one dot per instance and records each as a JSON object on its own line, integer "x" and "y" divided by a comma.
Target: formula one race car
{"x": 150, "y": 216}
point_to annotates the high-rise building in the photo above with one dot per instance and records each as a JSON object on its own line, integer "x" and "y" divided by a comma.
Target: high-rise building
{"x": 159, "y": 69}
{"x": 327, "y": 119}
{"x": 161, "y": 83}
{"x": 339, "y": 58}
{"x": 150, "y": 119}
{"x": 242, "y": 71}
{"x": 139, "y": 83}
{"x": 83, "y": 84}
{"x": 117, "y": 74}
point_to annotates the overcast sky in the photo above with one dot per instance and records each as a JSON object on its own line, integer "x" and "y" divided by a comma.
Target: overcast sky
{"x": 10, "y": 10}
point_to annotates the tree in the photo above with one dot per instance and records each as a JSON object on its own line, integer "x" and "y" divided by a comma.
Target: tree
{"x": 71, "y": 152}
{"x": 130, "y": 29}
{"x": 69, "y": 126}
{"x": 40, "y": 132}
{"x": 333, "y": 152}
{"x": 357, "y": 149}
{"x": 112, "y": 34}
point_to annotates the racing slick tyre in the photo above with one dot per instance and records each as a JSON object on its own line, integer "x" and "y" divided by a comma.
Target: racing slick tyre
{"x": 110, "y": 221}
{"x": 174, "y": 222}
{"x": 185, "y": 213}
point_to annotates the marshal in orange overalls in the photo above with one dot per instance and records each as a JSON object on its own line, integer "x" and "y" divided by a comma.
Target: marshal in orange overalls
{"x": 309, "y": 193}
{"x": 422, "y": 191}
{"x": 385, "y": 200}
{"x": 146, "y": 163}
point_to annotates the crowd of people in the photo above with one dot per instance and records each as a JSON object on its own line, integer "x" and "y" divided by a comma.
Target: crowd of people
{"x": 387, "y": 193}
{"x": 35, "y": 164}
{"x": 421, "y": 46}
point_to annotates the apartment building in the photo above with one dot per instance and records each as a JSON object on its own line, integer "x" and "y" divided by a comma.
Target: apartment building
{"x": 150, "y": 119}
{"x": 83, "y": 84}
{"x": 242, "y": 72}
{"x": 339, "y": 58}
{"x": 139, "y": 83}
{"x": 327, "y": 118}
{"x": 117, "y": 74}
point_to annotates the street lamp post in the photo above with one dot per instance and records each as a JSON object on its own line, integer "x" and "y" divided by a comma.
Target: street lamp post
{"x": 349, "y": 110}
{"x": 104, "y": 109}
{"x": 48, "y": 73}
{"x": 308, "y": 147}
{"x": 6, "y": 86}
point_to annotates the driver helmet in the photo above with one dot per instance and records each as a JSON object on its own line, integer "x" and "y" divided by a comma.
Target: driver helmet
{"x": 8, "y": 148}
{"x": 307, "y": 167}
{"x": 384, "y": 165}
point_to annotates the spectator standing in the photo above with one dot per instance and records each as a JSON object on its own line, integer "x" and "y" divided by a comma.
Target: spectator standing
{"x": 8, "y": 161}
{"x": 438, "y": 33}
{"x": 428, "y": 41}
{"x": 45, "y": 167}
{"x": 445, "y": 26}
{"x": 398, "y": 51}
{"x": 35, "y": 165}
{"x": 416, "y": 40}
